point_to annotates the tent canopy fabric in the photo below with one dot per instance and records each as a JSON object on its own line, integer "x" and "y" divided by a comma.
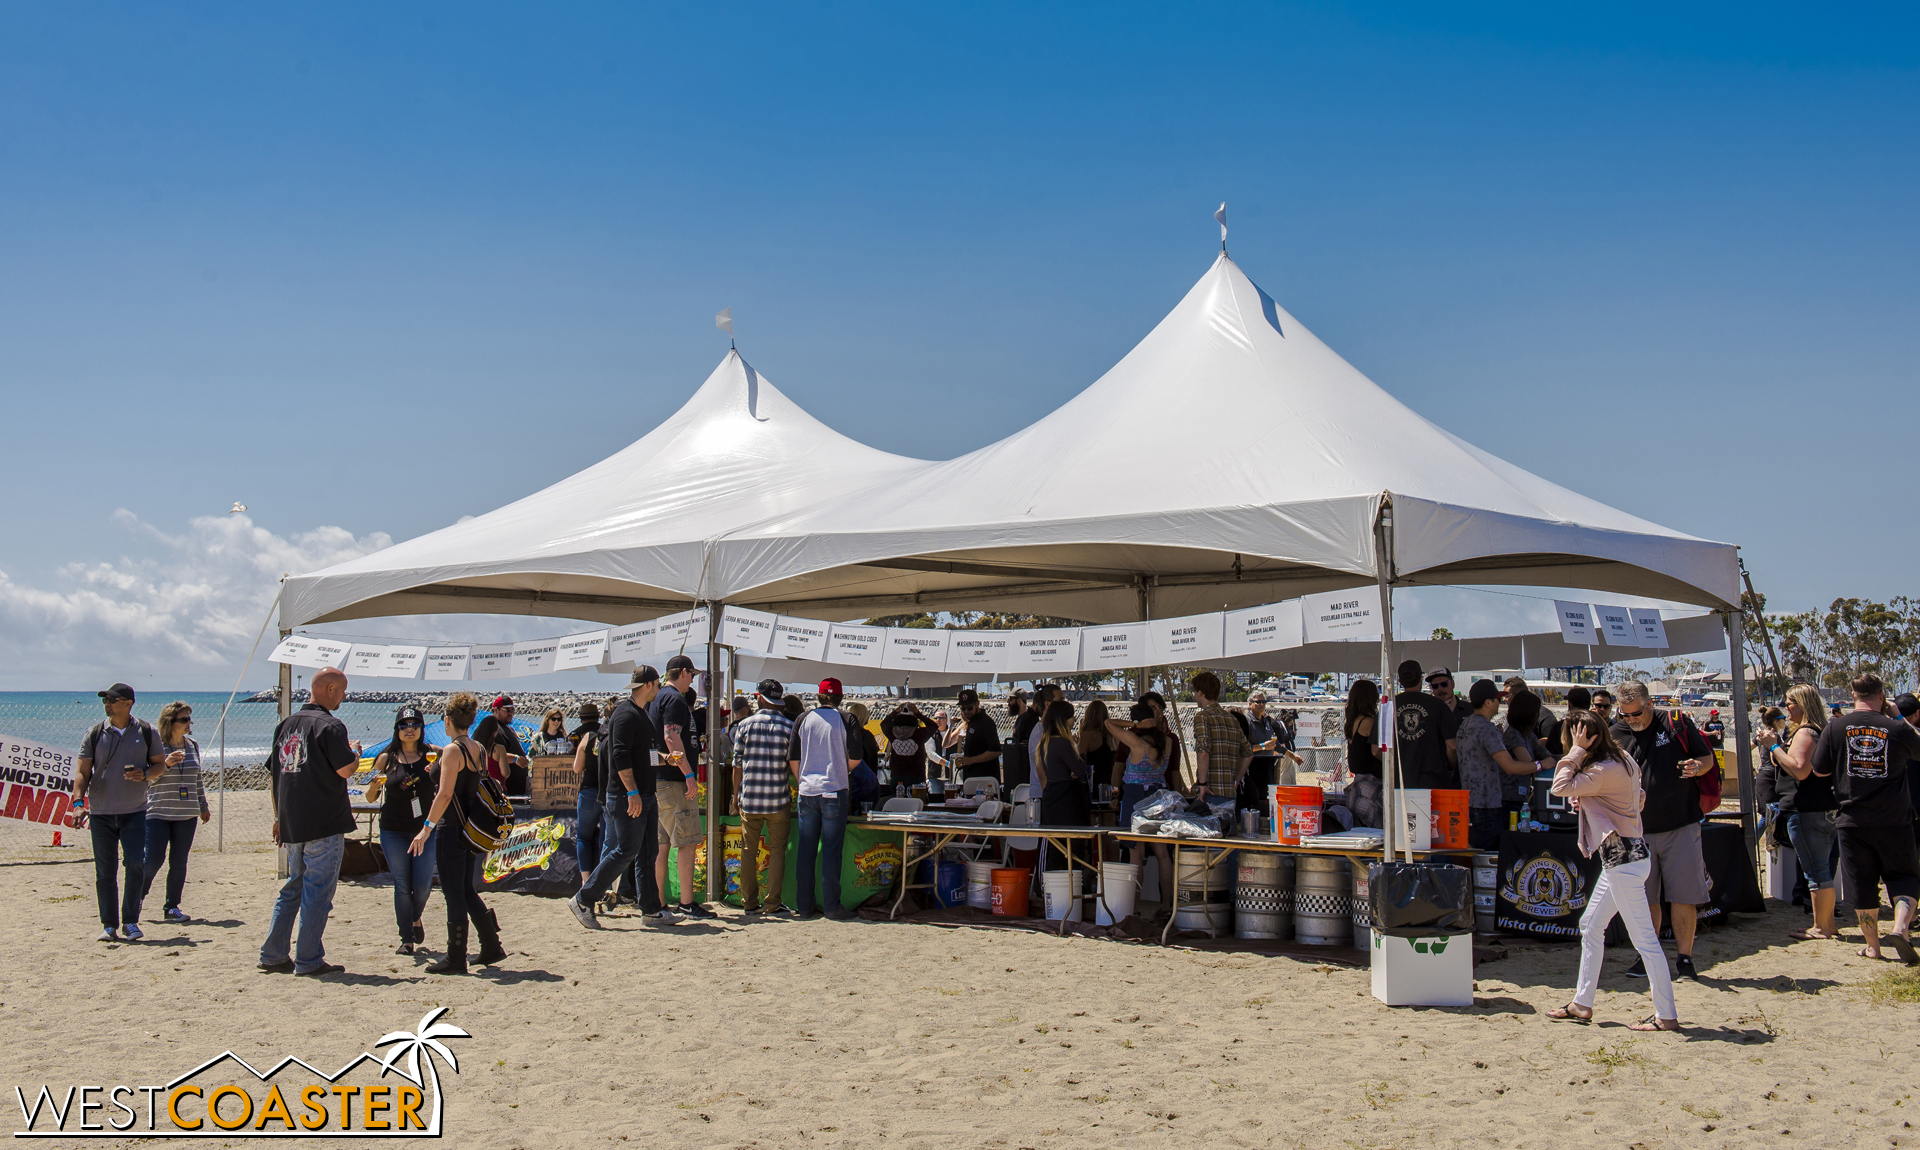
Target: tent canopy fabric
{"x": 1271, "y": 458}
{"x": 624, "y": 540}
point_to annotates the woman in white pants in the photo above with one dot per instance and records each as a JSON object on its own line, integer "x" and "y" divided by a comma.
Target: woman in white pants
{"x": 1605, "y": 782}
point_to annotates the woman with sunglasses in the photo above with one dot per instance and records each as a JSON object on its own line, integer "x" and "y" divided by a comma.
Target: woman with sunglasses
{"x": 553, "y": 738}
{"x": 174, "y": 801}
{"x": 404, "y": 778}
{"x": 1606, "y": 780}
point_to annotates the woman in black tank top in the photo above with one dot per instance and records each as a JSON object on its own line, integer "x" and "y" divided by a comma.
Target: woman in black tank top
{"x": 461, "y": 760}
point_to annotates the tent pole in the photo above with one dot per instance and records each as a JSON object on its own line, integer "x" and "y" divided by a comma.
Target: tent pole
{"x": 717, "y": 788}
{"x": 1390, "y": 762}
{"x": 1141, "y": 675}
{"x": 1742, "y": 733}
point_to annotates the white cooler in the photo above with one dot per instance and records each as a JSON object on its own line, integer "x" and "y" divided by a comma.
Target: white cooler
{"x": 1432, "y": 970}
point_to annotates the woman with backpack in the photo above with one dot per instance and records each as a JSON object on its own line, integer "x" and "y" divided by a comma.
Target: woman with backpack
{"x": 403, "y": 785}
{"x": 461, "y": 803}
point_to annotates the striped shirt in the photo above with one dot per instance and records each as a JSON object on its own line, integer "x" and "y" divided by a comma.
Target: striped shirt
{"x": 760, "y": 748}
{"x": 178, "y": 793}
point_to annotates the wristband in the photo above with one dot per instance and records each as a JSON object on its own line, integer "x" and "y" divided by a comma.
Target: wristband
{"x": 428, "y": 823}
{"x": 633, "y": 794}
{"x": 688, "y": 778}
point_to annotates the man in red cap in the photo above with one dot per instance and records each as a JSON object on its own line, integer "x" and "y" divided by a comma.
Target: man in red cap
{"x": 821, "y": 756}
{"x": 506, "y": 758}
{"x": 1714, "y": 730}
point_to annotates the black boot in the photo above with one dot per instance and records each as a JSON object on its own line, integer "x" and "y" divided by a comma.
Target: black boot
{"x": 490, "y": 949}
{"x": 456, "y": 960}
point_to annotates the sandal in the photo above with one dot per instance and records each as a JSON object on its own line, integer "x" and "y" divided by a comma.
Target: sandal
{"x": 1863, "y": 952}
{"x": 1809, "y": 935}
{"x": 1902, "y": 946}
{"x": 1567, "y": 1013}
{"x": 1655, "y": 1022}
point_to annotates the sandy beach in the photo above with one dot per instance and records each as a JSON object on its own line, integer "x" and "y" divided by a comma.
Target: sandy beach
{"x": 781, "y": 1033}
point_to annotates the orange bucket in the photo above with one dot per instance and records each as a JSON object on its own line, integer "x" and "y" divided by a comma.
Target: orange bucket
{"x": 1296, "y": 812}
{"x": 1010, "y": 891}
{"x": 1449, "y": 819}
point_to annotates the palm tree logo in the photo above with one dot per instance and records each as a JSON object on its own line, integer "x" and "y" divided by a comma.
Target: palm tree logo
{"x": 409, "y": 1044}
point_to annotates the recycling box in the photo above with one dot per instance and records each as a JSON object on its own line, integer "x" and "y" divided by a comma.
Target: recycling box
{"x": 1431, "y": 970}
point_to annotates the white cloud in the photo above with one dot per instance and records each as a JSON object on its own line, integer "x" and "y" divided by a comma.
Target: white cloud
{"x": 183, "y": 615}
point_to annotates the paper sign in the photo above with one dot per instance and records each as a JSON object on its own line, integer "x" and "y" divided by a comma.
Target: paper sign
{"x": 1383, "y": 725}
{"x": 1615, "y": 625}
{"x": 38, "y": 781}
{"x": 1044, "y": 649}
{"x": 915, "y": 649}
{"x": 365, "y": 659}
{"x": 535, "y": 657}
{"x": 446, "y": 663}
{"x": 852, "y": 646}
{"x": 307, "y": 651}
{"x": 745, "y": 630}
{"x": 402, "y": 663}
{"x": 679, "y": 631}
{"x": 1331, "y": 617}
{"x": 1307, "y": 726}
{"x": 981, "y": 652}
{"x": 1648, "y": 628}
{"x": 1576, "y": 622}
{"x": 1187, "y": 639}
{"x": 494, "y": 662}
{"x": 632, "y": 643}
{"x": 800, "y": 639}
{"x": 1118, "y": 645}
{"x": 1274, "y": 627}
{"x": 586, "y": 649}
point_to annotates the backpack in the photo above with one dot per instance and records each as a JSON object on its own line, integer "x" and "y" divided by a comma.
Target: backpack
{"x": 147, "y": 733}
{"x": 486, "y": 823}
{"x": 1689, "y": 737}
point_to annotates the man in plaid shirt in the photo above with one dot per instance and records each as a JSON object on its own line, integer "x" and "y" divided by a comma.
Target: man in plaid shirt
{"x": 763, "y": 795}
{"x": 1221, "y": 751}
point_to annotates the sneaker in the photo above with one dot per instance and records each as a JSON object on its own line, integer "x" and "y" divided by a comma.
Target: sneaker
{"x": 177, "y": 916}
{"x": 662, "y": 918}
{"x": 752, "y": 910}
{"x": 1638, "y": 969}
{"x": 841, "y": 915}
{"x": 775, "y": 909}
{"x": 132, "y": 932}
{"x": 107, "y": 934}
{"x": 320, "y": 971}
{"x": 695, "y": 910}
{"x": 803, "y": 915}
{"x": 1683, "y": 968}
{"x": 583, "y": 913}
{"x": 276, "y": 967}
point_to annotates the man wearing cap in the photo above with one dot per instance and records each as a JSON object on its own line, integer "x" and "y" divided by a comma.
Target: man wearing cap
{"x": 821, "y": 756}
{"x": 310, "y": 763}
{"x": 980, "y": 746}
{"x": 677, "y": 782}
{"x": 506, "y": 758}
{"x": 129, "y": 754}
{"x": 763, "y": 778}
{"x": 1440, "y": 686}
{"x": 1484, "y": 763}
{"x": 1714, "y": 730}
{"x": 629, "y": 823}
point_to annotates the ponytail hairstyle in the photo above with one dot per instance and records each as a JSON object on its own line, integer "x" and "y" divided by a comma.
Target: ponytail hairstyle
{"x": 1056, "y": 723}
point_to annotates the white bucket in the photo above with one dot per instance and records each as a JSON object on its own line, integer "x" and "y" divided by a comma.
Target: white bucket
{"x": 1121, "y": 884}
{"x": 1062, "y": 889}
{"x": 980, "y": 884}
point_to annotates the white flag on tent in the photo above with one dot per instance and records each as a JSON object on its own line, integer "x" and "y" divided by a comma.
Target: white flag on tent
{"x": 723, "y": 320}
{"x": 1221, "y": 215}
{"x": 1576, "y": 622}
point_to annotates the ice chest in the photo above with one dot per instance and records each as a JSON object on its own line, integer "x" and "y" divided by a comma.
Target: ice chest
{"x": 1432, "y": 970}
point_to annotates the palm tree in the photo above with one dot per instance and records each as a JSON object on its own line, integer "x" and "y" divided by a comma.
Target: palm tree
{"x": 410, "y": 1044}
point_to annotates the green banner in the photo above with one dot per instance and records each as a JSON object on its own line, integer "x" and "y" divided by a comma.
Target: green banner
{"x": 870, "y": 863}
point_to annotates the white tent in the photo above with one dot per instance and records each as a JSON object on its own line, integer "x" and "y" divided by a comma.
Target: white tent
{"x": 1230, "y": 459}
{"x": 625, "y": 539}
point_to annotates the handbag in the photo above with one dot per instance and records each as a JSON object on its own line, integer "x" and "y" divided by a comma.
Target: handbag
{"x": 486, "y": 824}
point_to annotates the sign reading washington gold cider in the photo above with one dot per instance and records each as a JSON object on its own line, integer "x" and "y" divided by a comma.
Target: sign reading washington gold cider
{"x": 398, "y": 1095}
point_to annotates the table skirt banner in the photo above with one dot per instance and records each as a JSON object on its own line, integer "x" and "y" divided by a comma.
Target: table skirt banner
{"x": 1543, "y": 882}
{"x": 539, "y": 856}
{"x": 869, "y": 865}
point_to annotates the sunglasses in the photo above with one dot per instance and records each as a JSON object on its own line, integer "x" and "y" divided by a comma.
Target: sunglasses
{"x": 1626, "y": 714}
{"x": 413, "y": 726}
{"x": 186, "y": 718}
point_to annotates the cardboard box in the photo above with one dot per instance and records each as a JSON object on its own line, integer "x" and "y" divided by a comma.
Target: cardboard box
{"x": 1434, "y": 970}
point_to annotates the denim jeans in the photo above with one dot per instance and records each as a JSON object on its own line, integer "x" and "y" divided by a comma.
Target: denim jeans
{"x": 586, "y": 836}
{"x": 823, "y": 832}
{"x": 119, "y": 843}
{"x": 168, "y": 841}
{"x": 313, "y": 870}
{"x": 412, "y": 878}
{"x": 1812, "y": 833}
{"x": 631, "y": 843}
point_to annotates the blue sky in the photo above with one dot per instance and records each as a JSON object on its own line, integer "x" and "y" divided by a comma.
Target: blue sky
{"x": 319, "y": 258}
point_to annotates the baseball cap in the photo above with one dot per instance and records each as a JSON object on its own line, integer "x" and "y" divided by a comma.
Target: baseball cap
{"x": 1482, "y": 691}
{"x": 500, "y": 701}
{"x": 644, "y": 674}
{"x": 1442, "y": 673}
{"x": 679, "y": 663}
{"x": 117, "y": 691}
{"x": 1906, "y": 703}
{"x": 772, "y": 690}
{"x": 408, "y": 714}
{"x": 1714, "y": 712}
{"x": 831, "y": 687}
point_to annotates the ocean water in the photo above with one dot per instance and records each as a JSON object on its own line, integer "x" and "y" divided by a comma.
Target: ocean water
{"x": 60, "y": 718}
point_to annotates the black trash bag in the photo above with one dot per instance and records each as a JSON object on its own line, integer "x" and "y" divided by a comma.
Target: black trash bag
{"x": 1417, "y": 899}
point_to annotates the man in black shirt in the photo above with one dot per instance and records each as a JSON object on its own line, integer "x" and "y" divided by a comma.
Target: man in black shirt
{"x": 310, "y": 762}
{"x": 1866, "y": 751}
{"x": 506, "y": 758}
{"x": 1714, "y": 730}
{"x": 1440, "y": 686}
{"x": 630, "y": 815}
{"x": 1424, "y": 730}
{"x": 1672, "y": 755}
{"x": 1014, "y": 757}
{"x": 981, "y": 746}
{"x": 677, "y": 782}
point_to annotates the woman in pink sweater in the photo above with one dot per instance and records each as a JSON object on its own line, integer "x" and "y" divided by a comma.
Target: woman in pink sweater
{"x": 1604, "y": 781}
